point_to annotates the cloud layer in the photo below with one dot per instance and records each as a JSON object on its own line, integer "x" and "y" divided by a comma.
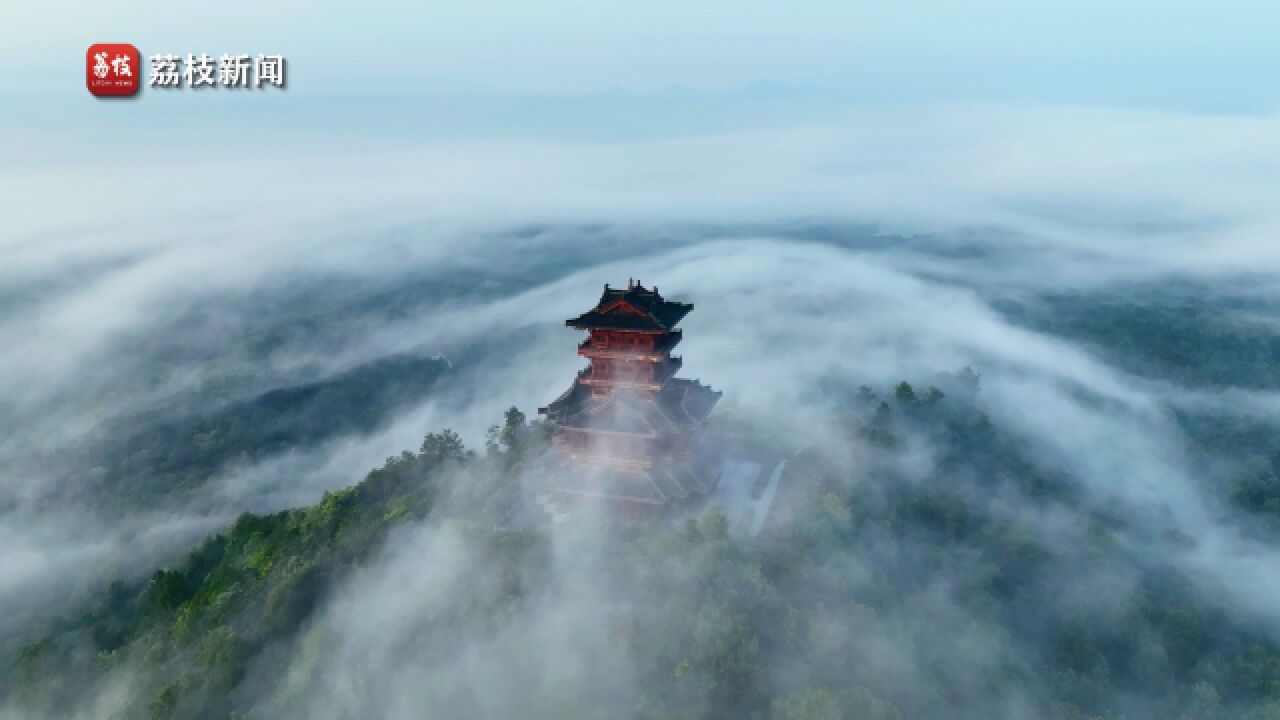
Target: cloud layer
{"x": 972, "y": 205}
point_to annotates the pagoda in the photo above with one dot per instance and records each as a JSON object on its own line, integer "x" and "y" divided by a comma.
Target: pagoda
{"x": 628, "y": 430}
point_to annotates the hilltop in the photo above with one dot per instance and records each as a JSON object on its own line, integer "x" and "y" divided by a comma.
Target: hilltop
{"x": 870, "y": 573}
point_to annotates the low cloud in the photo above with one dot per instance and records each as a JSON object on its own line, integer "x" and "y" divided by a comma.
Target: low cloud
{"x": 973, "y": 205}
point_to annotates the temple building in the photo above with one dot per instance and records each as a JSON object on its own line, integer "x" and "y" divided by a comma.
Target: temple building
{"x": 628, "y": 430}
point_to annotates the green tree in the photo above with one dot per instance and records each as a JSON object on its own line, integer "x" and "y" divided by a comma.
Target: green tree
{"x": 441, "y": 446}
{"x": 513, "y": 427}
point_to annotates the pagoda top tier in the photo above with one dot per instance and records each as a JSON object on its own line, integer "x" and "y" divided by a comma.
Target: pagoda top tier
{"x": 635, "y": 309}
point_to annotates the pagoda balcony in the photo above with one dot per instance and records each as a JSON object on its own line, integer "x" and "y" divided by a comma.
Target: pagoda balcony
{"x": 661, "y": 374}
{"x": 623, "y": 383}
{"x": 596, "y": 347}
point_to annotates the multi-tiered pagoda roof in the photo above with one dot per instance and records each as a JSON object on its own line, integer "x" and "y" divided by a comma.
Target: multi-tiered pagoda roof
{"x": 679, "y": 404}
{"x": 635, "y": 309}
{"x": 628, "y": 428}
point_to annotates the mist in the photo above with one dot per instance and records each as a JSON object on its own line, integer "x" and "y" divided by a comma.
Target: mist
{"x": 874, "y": 247}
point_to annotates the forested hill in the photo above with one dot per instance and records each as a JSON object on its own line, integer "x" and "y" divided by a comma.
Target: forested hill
{"x": 881, "y": 589}
{"x": 154, "y": 457}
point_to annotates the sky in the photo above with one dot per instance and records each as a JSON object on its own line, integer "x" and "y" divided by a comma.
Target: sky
{"x": 590, "y": 69}
{"x": 1185, "y": 54}
{"x": 394, "y": 74}
{"x": 390, "y": 76}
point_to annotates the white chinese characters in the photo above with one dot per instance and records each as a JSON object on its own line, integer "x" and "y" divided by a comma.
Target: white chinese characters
{"x": 233, "y": 71}
{"x": 199, "y": 71}
{"x": 269, "y": 69}
{"x": 239, "y": 71}
{"x": 164, "y": 71}
{"x": 119, "y": 65}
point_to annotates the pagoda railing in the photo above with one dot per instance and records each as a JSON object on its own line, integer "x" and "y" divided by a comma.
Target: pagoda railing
{"x": 631, "y": 379}
{"x": 594, "y": 346}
